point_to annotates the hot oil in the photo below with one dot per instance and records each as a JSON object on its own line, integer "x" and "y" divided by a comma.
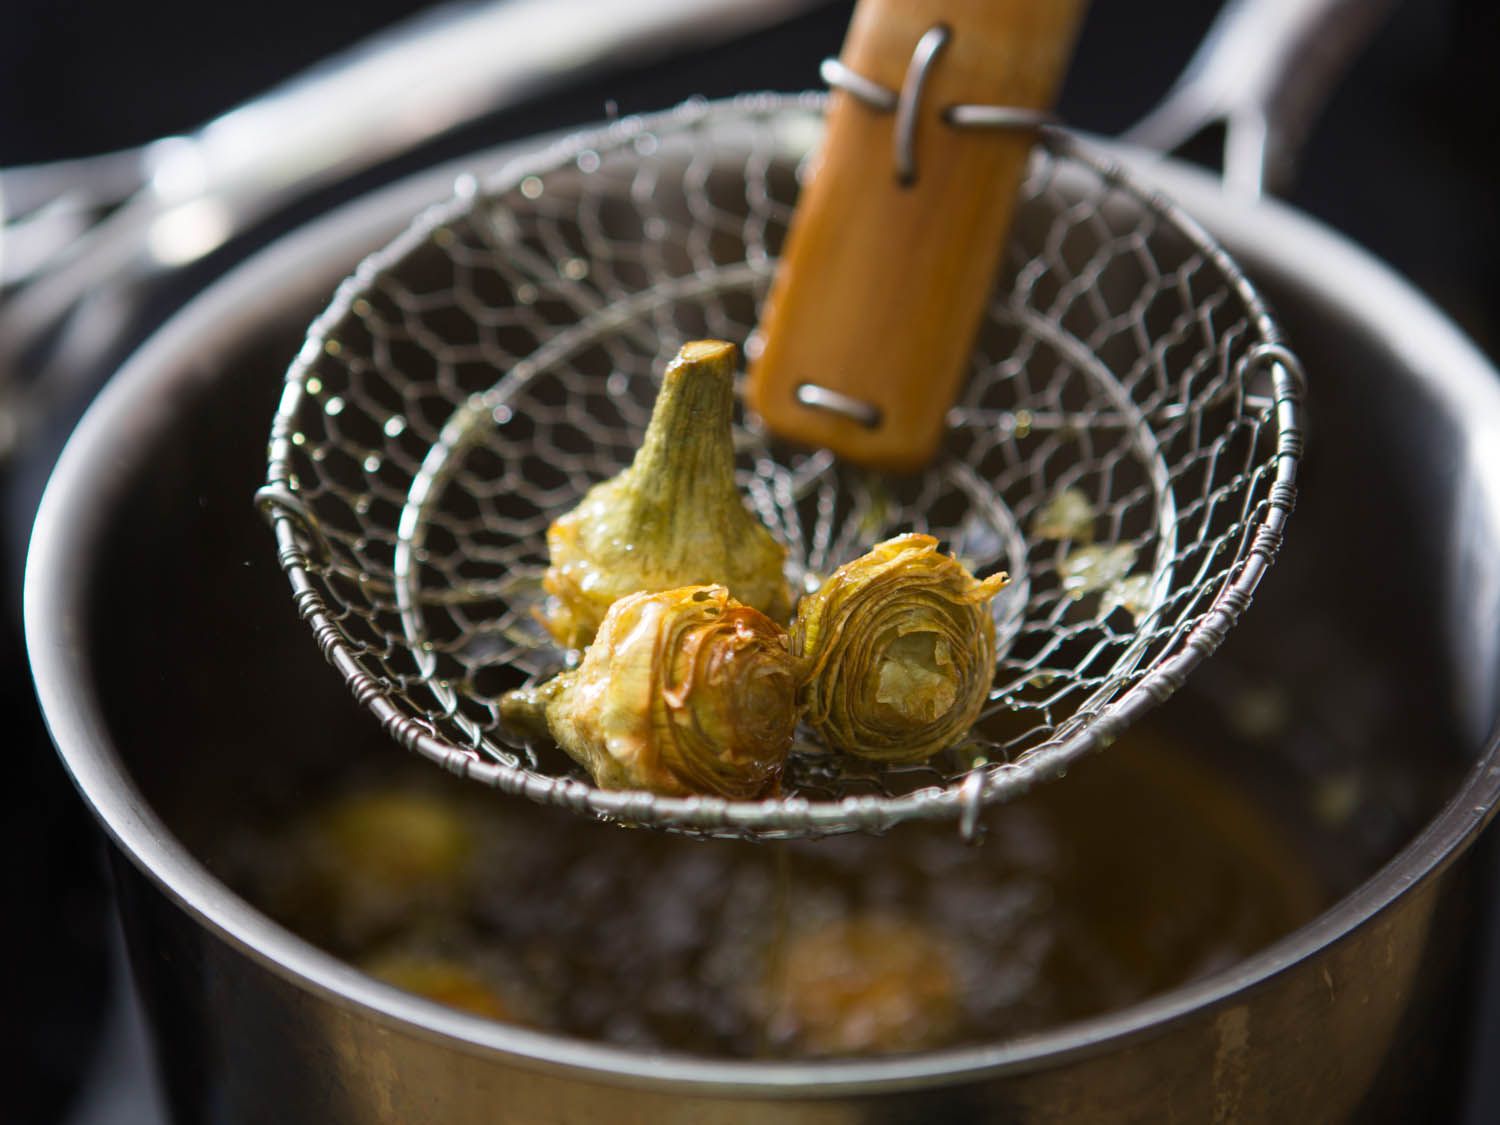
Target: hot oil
{"x": 774, "y": 957}
{"x": 1146, "y": 867}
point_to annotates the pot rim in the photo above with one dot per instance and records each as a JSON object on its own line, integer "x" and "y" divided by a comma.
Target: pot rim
{"x": 138, "y": 402}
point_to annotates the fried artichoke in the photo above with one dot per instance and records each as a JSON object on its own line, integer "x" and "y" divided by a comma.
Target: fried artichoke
{"x": 673, "y": 518}
{"x": 360, "y": 867}
{"x": 445, "y": 980}
{"x": 863, "y": 985}
{"x": 682, "y": 691}
{"x": 899, "y": 651}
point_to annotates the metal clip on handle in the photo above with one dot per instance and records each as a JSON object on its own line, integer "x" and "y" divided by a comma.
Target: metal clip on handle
{"x": 1263, "y": 71}
{"x": 892, "y": 253}
{"x": 906, "y": 104}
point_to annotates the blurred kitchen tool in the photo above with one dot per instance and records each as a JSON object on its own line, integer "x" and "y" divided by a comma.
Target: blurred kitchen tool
{"x": 473, "y": 379}
{"x": 82, "y": 240}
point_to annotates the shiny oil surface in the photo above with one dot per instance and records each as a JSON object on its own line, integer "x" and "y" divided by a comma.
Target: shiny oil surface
{"x": 1145, "y": 868}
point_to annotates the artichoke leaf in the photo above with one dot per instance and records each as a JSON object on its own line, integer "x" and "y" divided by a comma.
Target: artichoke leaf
{"x": 673, "y": 518}
{"x": 682, "y": 691}
{"x": 898, "y": 651}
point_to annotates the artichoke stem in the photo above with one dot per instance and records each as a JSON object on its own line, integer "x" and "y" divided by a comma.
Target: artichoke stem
{"x": 525, "y": 709}
{"x": 686, "y": 463}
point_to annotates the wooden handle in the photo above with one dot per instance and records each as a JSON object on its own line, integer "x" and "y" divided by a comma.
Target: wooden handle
{"x": 883, "y": 284}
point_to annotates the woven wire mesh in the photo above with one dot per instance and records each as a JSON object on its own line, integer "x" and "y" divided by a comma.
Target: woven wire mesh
{"x": 1124, "y": 448}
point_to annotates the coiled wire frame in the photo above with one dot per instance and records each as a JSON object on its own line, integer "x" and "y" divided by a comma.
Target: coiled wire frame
{"x": 473, "y": 378}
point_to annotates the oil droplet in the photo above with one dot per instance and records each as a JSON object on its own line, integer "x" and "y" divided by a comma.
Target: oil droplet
{"x": 1259, "y": 713}
{"x": 334, "y": 406}
{"x": 575, "y": 269}
{"x": 532, "y": 187}
{"x": 395, "y": 426}
{"x": 1336, "y": 799}
{"x": 314, "y": 385}
{"x": 588, "y": 161}
{"x": 372, "y": 463}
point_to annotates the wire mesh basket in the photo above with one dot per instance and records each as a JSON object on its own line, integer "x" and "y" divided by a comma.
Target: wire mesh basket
{"x": 1125, "y": 448}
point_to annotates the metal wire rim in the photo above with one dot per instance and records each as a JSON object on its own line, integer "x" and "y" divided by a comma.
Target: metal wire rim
{"x": 300, "y": 543}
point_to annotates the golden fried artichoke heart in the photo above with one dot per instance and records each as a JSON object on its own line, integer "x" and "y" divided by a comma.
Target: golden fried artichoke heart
{"x": 673, "y": 518}
{"x": 682, "y": 691}
{"x": 899, "y": 651}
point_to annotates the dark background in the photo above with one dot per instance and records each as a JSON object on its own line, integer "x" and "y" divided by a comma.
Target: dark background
{"x": 1404, "y": 161}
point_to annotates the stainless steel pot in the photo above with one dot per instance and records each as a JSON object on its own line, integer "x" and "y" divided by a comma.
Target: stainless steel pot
{"x": 146, "y": 537}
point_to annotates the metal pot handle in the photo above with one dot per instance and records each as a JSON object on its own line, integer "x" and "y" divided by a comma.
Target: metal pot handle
{"x": 1263, "y": 70}
{"x": 111, "y": 224}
